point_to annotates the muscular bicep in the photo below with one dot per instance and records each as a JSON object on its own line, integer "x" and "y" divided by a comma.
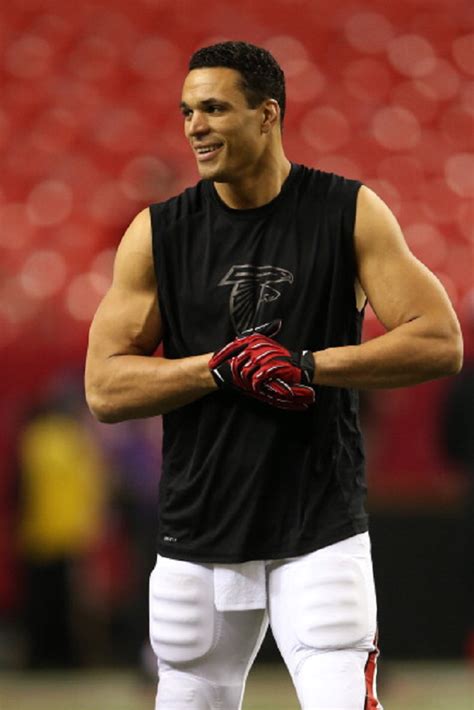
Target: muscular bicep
{"x": 126, "y": 323}
{"x": 398, "y": 286}
{"x": 128, "y": 320}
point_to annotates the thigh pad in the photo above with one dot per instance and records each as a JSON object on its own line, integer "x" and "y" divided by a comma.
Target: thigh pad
{"x": 182, "y": 614}
{"x": 332, "y": 608}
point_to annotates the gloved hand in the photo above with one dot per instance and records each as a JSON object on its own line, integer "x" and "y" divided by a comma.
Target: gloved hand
{"x": 259, "y": 366}
{"x": 221, "y": 361}
{"x": 278, "y": 393}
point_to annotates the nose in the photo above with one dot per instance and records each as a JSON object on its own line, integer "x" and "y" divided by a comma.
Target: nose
{"x": 198, "y": 124}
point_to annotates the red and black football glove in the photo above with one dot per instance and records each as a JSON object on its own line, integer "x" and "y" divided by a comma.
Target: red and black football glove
{"x": 277, "y": 393}
{"x": 262, "y": 368}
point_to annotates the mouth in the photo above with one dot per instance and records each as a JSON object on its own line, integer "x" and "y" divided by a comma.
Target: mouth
{"x": 207, "y": 152}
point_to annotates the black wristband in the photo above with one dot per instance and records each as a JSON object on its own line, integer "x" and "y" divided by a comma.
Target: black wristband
{"x": 222, "y": 375}
{"x": 305, "y": 361}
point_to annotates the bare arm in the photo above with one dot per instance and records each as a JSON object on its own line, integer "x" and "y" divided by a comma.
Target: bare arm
{"x": 123, "y": 380}
{"x": 423, "y": 339}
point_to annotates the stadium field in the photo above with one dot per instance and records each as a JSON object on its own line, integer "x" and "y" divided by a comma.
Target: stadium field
{"x": 414, "y": 686}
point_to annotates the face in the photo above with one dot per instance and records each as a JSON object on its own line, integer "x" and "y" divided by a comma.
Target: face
{"x": 226, "y": 135}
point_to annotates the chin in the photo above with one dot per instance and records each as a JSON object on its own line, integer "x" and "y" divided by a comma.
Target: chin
{"x": 208, "y": 172}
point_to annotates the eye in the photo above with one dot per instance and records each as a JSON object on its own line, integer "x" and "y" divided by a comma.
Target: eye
{"x": 214, "y": 108}
{"x": 187, "y": 113}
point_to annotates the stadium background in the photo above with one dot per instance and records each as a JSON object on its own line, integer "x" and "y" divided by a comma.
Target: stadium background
{"x": 90, "y": 133}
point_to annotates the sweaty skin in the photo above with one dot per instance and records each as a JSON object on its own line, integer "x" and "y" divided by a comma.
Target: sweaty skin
{"x": 245, "y": 159}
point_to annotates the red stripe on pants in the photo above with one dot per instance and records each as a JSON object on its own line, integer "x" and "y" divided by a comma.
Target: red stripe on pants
{"x": 371, "y": 702}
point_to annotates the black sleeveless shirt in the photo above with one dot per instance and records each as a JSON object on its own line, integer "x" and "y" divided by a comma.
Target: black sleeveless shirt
{"x": 242, "y": 480}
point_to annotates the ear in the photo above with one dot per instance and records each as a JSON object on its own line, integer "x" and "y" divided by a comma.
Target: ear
{"x": 270, "y": 115}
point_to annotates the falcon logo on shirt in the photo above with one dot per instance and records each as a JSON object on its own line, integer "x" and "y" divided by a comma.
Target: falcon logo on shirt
{"x": 252, "y": 288}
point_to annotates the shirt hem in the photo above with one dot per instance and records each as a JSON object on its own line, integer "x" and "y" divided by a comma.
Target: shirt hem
{"x": 295, "y": 550}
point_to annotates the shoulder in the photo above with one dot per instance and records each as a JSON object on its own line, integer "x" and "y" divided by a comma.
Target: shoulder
{"x": 134, "y": 257}
{"x": 137, "y": 234}
{"x": 328, "y": 186}
{"x": 188, "y": 202}
{"x": 375, "y": 223}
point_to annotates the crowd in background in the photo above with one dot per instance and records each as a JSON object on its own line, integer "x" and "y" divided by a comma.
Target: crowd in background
{"x": 84, "y": 535}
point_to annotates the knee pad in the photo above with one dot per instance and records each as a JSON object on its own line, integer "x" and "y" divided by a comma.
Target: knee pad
{"x": 181, "y": 690}
{"x": 334, "y": 608}
{"x": 178, "y": 690}
{"x": 332, "y": 680}
{"x": 182, "y": 617}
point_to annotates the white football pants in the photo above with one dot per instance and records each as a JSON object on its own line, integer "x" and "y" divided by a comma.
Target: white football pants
{"x": 322, "y": 612}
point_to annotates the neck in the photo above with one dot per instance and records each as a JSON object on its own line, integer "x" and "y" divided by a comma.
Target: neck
{"x": 258, "y": 187}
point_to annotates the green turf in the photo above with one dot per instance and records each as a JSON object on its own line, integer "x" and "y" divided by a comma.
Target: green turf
{"x": 415, "y": 686}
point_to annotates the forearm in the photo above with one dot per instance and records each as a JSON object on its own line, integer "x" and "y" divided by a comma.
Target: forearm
{"x": 134, "y": 386}
{"x": 408, "y": 355}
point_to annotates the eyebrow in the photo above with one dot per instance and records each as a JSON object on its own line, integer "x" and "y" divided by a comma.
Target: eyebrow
{"x": 207, "y": 102}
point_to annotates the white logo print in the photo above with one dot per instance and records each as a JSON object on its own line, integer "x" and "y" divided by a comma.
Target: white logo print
{"x": 251, "y": 290}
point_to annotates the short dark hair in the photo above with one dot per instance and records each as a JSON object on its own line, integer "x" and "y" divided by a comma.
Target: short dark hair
{"x": 262, "y": 76}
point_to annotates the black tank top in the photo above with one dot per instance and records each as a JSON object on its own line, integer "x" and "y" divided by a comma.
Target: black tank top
{"x": 242, "y": 480}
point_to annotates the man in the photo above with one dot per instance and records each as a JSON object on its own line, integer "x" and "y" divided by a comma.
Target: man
{"x": 255, "y": 280}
